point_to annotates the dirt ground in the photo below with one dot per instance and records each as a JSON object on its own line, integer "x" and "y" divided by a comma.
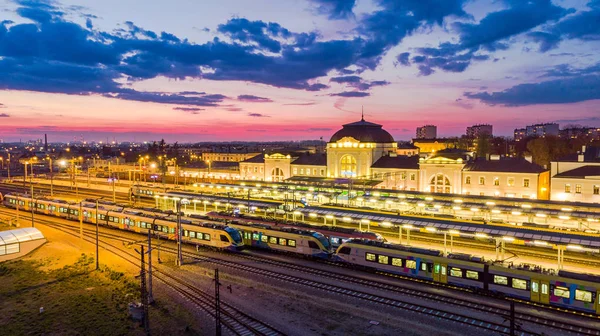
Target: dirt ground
{"x": 60, "y": 277}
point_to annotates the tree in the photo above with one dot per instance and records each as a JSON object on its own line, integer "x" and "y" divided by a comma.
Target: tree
{"x": 546, "y": 149}
{"x": 483, "y": 146}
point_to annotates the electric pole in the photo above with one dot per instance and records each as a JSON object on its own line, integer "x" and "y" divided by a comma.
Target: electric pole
{"x": 144, "y": 292}
{"x": 179, "y": 255}
{"x": 217, "y": 304}
{"x": 150, "y": 297}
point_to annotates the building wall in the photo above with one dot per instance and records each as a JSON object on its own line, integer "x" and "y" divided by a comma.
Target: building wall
{"x": 230, "y": 157}
{"x": 277, "y": 163}
{"x": 309, "y": 170}
{"x": 575, "y": 189}
{"x": 450, "y": 170}
{"x": 430, "y": 146}
{"x": 426, "y": 132}
{"x": 397, "y": 179}
{"x": 518, "y": 185}
{"x": 365, "y": 155}
{"x": 252, "y": 171}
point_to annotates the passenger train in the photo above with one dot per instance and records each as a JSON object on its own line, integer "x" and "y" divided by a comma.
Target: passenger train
{"x": 565, "y": 289}
{"x": 558, "y": 289}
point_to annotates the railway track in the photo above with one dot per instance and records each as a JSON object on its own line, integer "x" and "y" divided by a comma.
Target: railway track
{"x": 234, "y": 319}
{"x": 402, "y": 304}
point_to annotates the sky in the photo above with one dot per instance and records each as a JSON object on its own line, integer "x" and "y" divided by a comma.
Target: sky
{"x": 192, "y": 71}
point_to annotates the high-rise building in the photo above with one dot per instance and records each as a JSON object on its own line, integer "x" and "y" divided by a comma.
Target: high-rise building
{"x": 541, "y": 130}
{"x": 427, "y": 132}
{"x": 520, "y": 134}
{"x": 476, "y": 131}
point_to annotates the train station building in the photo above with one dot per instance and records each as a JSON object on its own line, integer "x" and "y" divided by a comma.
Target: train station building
{"x": 365, "y": 153}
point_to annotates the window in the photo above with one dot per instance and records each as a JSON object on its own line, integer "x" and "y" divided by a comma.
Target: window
{"x": 456, "y": 272}
{"x": 526, "y": 183}
{"x": 497, "y": 181}
{"x": 382, "y": 259}
{"x": 370, "y": 257}
{"x": 581, "y": 295}
{"x": 519, "y": 283}
{"x": 192, "y": 234}
{"x": 291, "y": 243}
{"x": 301, "y": 171}
{"x": 500, "y": 280}
{"x": 403, "y": 176}
{"x": 413, "y": 177}
{"x": 424, "y": 267}
{"x": 295, "y": 171}
{"x": 544, "y": 289}
{"x": 468, "y": 180}
{"x": 315, "y": 171}
{"x": 256, "y": 169}
{"x": 511, "y": 182}
{"x": 282, "y": 241}
{"x": 206, "y": 236}
{"x": 264, "y": 238}
{"x": 272, "y": 240}
{"x": 472, "y": 275}
{"x": 535, "y": 286}
{"x": 436, "y": 269}
{"x": 578, "y": 188}
{"x": 596, "y": 189}
{"x": 344, "y": 250}
{"x": 322, "y": 172}
{"x": 567, "y": 188}
{"x": 255, "y": 236}
{"x": 411, "y": 264}
{"x": 348, "y": 166}
{"x": 482, "y": 180}
{"x": 313, "y": 245}
{"x": 562, "y": 292}
{"x": 397, "y": 262}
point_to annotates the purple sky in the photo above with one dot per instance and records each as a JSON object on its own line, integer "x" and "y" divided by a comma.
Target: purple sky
{"x": 290, "y": 70}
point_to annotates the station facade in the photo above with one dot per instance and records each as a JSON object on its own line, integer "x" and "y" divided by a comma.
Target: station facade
{"x": 365, "y": 151}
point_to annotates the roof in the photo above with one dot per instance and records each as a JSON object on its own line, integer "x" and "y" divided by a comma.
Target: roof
{"x": 311, "y": 160}
{"x": 400, "y": 161}
{"x": 406, "y": 145}
{"x": 260, "y": 158}
{"x": 363, "y": 131}
{"x": 592, "y": 154}
{"x": 20, "y": 235}
{"x": 504, "y": 165}
{"x": 581, "y": 172}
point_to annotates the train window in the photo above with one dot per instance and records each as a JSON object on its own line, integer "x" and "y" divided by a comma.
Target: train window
{"x": 282, "y": 241}
{"x": 535, "y": 286}
{"x": 581, "y": 295}
{"x": 472, "y": 275}
{"x": 544, "y": 288}
{"x": 436, "y": 269}
{"x": 397, "y": 262}
{"x": 172, "y": 230}
{"x": 264, "y": 238}
{"x": 456, "y": 272}
{"x": 185, "y": 233}
{"x": 500, "y": 280}
{"x": 424, "y": 267}
{"x": 165, "y": 229}
{"x": 224, "y": 238}
{"x": 562, "y": 292}
{"x": 344, "y": 250}
{"x": 192, "y": 234}
{"x": 255, "y": 236}
{"x": 272, "y": 240}
{"x": 412, "y": 264}
{"x": 443, "y": 271}
{"x": 370, "y": 257}
{"x": 206, "y": 236}
{"x": 519, "y": 283}
{"x": 382, "y": 259}
{"x": 291, "y": 243}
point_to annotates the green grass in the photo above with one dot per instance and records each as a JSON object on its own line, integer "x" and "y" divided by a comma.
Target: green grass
{"x": 77, "y": 301}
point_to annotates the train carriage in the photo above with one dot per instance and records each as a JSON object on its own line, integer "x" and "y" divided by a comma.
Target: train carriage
{"x": 289, "y": 240}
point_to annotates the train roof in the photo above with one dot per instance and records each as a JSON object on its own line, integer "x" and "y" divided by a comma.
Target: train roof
{"x": 278, "y": 228}
{"x": 398, "y": 247}
{"x": 580, "y": 276}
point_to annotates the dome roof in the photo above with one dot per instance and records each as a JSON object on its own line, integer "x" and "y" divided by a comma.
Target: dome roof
{"x": 363, "y": 131}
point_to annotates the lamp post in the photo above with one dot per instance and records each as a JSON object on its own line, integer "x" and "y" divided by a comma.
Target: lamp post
{"x": 51, "y": 177}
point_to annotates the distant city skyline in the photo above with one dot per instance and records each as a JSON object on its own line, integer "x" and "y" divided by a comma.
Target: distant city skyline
{"x": 293, "y": 70}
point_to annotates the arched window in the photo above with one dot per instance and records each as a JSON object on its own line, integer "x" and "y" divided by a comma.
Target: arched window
{"x": 348, "y": 166}
{"x": 277, "y": 175}
{"x": 440, "y": 183}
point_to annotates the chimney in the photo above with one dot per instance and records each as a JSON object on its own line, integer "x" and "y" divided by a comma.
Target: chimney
{"x": 529, "y": 158}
